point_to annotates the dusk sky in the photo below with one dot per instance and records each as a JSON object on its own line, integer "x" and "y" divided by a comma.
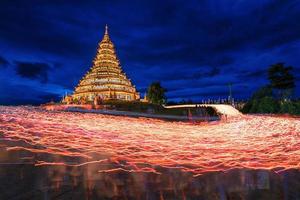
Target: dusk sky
{"x": 194, "y": 48}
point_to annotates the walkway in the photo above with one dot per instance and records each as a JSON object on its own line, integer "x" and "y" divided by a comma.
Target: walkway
{"x": 223, "y": 109}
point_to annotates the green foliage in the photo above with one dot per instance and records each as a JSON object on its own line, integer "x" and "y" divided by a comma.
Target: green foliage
{"x": 265, "y": 91}
{"x": 253, "y": 105}
{"x": 281, "y": 79}
{"x": 280, "y": 76}
{"x": 290, "y": 107}
{"x": 156, "y": 93}
{"x": 247, "y": 107}
{"x": 135, "y": 106}
{"x": 281, "y": 85}
{"x": 143, "y": 107}
{"x": 262, "y": 105}
{"x": 263, "y": 102}
{"x": 267, "y": 105}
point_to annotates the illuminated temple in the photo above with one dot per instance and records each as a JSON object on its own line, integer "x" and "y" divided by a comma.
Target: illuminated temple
{"x": 105, "y": 79}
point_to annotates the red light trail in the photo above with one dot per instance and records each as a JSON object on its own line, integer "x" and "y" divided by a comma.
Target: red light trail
{"x": 146, "y": 145}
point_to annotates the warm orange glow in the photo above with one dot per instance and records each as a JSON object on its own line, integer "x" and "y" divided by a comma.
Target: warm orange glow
{"x": 147, "y": 145}
{"x": 105, "y": 79}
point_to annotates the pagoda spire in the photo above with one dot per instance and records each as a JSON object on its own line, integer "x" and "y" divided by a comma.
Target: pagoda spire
{"x": 106, "y": 29}
{"x": 106, "y": 35}
{"x": 106, "y": 78}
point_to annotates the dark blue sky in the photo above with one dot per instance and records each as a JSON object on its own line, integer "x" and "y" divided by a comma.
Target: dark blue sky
{"x": 195, "y": 48}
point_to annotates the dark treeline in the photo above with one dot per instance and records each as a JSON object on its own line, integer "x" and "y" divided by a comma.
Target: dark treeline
{"x": 277, "y": 96}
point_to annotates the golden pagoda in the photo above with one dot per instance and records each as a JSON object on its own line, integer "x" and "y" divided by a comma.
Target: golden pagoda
{"x": 105, "y": 79}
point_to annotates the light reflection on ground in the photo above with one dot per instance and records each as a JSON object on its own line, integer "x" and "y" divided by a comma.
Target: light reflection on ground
{"x": 111, "y": 144}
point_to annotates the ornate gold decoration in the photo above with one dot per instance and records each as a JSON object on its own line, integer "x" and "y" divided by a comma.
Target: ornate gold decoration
{"x": 105, "y": 79}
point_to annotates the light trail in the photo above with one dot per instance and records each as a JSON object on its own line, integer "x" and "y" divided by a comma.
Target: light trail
{"x": 148, "y": 145}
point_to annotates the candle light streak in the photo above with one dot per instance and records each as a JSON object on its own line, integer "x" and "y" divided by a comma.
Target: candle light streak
{"x": 148, "y": 145}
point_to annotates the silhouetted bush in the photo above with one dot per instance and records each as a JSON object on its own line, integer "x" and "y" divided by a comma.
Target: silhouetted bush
{"x": 267, "y": 105}
{"x": 289, "y": 107}
{"x": 262, "y": 102}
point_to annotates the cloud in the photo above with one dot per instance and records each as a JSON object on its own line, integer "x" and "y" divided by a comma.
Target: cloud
{"x": 3, "y": 62}
{"x": 260, "y": 73}
{"x": 33, "y": 70}
{"x": 183, "y": 73}
{"x": 185, "y": 46}
{"x": 19, "y": 90}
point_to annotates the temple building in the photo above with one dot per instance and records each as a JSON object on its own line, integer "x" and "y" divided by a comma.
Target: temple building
{"x": 105, "y": 79}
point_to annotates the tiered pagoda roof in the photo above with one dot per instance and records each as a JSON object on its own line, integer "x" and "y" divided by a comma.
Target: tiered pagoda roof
{"x": 106, "y": 79}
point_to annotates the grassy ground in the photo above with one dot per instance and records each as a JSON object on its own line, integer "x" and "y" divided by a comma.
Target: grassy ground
{"x": 137, "y": 106}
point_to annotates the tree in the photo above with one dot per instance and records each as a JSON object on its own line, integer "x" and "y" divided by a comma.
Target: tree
{"x": 265, "y": 91}
{"x": 262, "y": 101}
{"x": 267, "y": 105}
{"x": 282, "y": 83}
{"x": 156, "y": 93}
{"x": 290, "y": 107}
{"x": 281, "y": 79}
